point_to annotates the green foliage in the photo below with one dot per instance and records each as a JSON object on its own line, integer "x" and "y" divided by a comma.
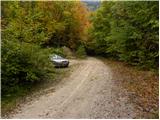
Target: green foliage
{"x": 127, "y": 31}
{"x": 27, "y": 29}
{"x": 22, "y": 64}
{"x": 31, "y": 32}
{"x": 52, "y": 24}
{"x": 58, "y": 51}
{"x": 81, "y": 52}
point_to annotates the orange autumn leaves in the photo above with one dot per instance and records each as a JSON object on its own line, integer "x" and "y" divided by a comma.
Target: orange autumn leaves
{"x": 68, "y": 20}
{"x": 50, "y": 23}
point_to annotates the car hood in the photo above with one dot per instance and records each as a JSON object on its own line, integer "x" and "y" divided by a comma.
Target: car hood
{"x": 60, "y": 60}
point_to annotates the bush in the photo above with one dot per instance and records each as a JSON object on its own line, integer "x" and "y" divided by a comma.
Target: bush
{"x": 23, "y": 64}
{"x": 68, "y": 52}
{"x": 81, "y": 52}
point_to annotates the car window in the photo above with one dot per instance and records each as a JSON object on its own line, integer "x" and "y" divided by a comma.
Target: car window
{"x": 57, "y": 57}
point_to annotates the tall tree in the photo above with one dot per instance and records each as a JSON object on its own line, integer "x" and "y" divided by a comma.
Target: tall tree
{"x": 127, "y": 31}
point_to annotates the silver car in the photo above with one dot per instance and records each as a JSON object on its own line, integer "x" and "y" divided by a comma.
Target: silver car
{"x": 59, "y": 61}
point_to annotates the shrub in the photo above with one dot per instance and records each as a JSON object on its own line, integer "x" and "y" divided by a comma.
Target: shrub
{"x": 58, "y": 51}
{"x": 81, "y": 52}
{"x": 22, "y": 64}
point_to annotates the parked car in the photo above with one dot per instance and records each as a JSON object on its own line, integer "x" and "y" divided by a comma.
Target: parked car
{"x": 59, "y": 61}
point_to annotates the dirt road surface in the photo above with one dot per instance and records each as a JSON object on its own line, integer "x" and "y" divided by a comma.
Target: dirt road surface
{"x": 88, "y": 92}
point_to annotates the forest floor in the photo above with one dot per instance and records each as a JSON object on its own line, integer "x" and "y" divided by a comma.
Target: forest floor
{"x": 96, "y": 88}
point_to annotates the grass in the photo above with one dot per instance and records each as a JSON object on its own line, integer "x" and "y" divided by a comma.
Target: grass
{"x": 9, "y": 101}
{"x": 142, "y": 85}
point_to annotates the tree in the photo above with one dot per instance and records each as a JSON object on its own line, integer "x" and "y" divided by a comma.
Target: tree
{"x": 127, "y": 31}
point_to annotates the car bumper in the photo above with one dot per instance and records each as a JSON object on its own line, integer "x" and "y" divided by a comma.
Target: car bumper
{"x": 62, "y": 64}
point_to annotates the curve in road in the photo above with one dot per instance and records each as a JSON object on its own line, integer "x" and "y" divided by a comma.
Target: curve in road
{"x": 89, "y": 92}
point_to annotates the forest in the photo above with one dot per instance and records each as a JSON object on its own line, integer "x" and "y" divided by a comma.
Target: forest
{"x": 126, "y": 31}
{"x": 31, "y": 31}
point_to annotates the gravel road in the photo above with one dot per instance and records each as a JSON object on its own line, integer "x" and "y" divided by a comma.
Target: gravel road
{"x": 88, "y": 92}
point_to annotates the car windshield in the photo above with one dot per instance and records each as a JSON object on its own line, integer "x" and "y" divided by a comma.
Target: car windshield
{"x": 57, "y": 57}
